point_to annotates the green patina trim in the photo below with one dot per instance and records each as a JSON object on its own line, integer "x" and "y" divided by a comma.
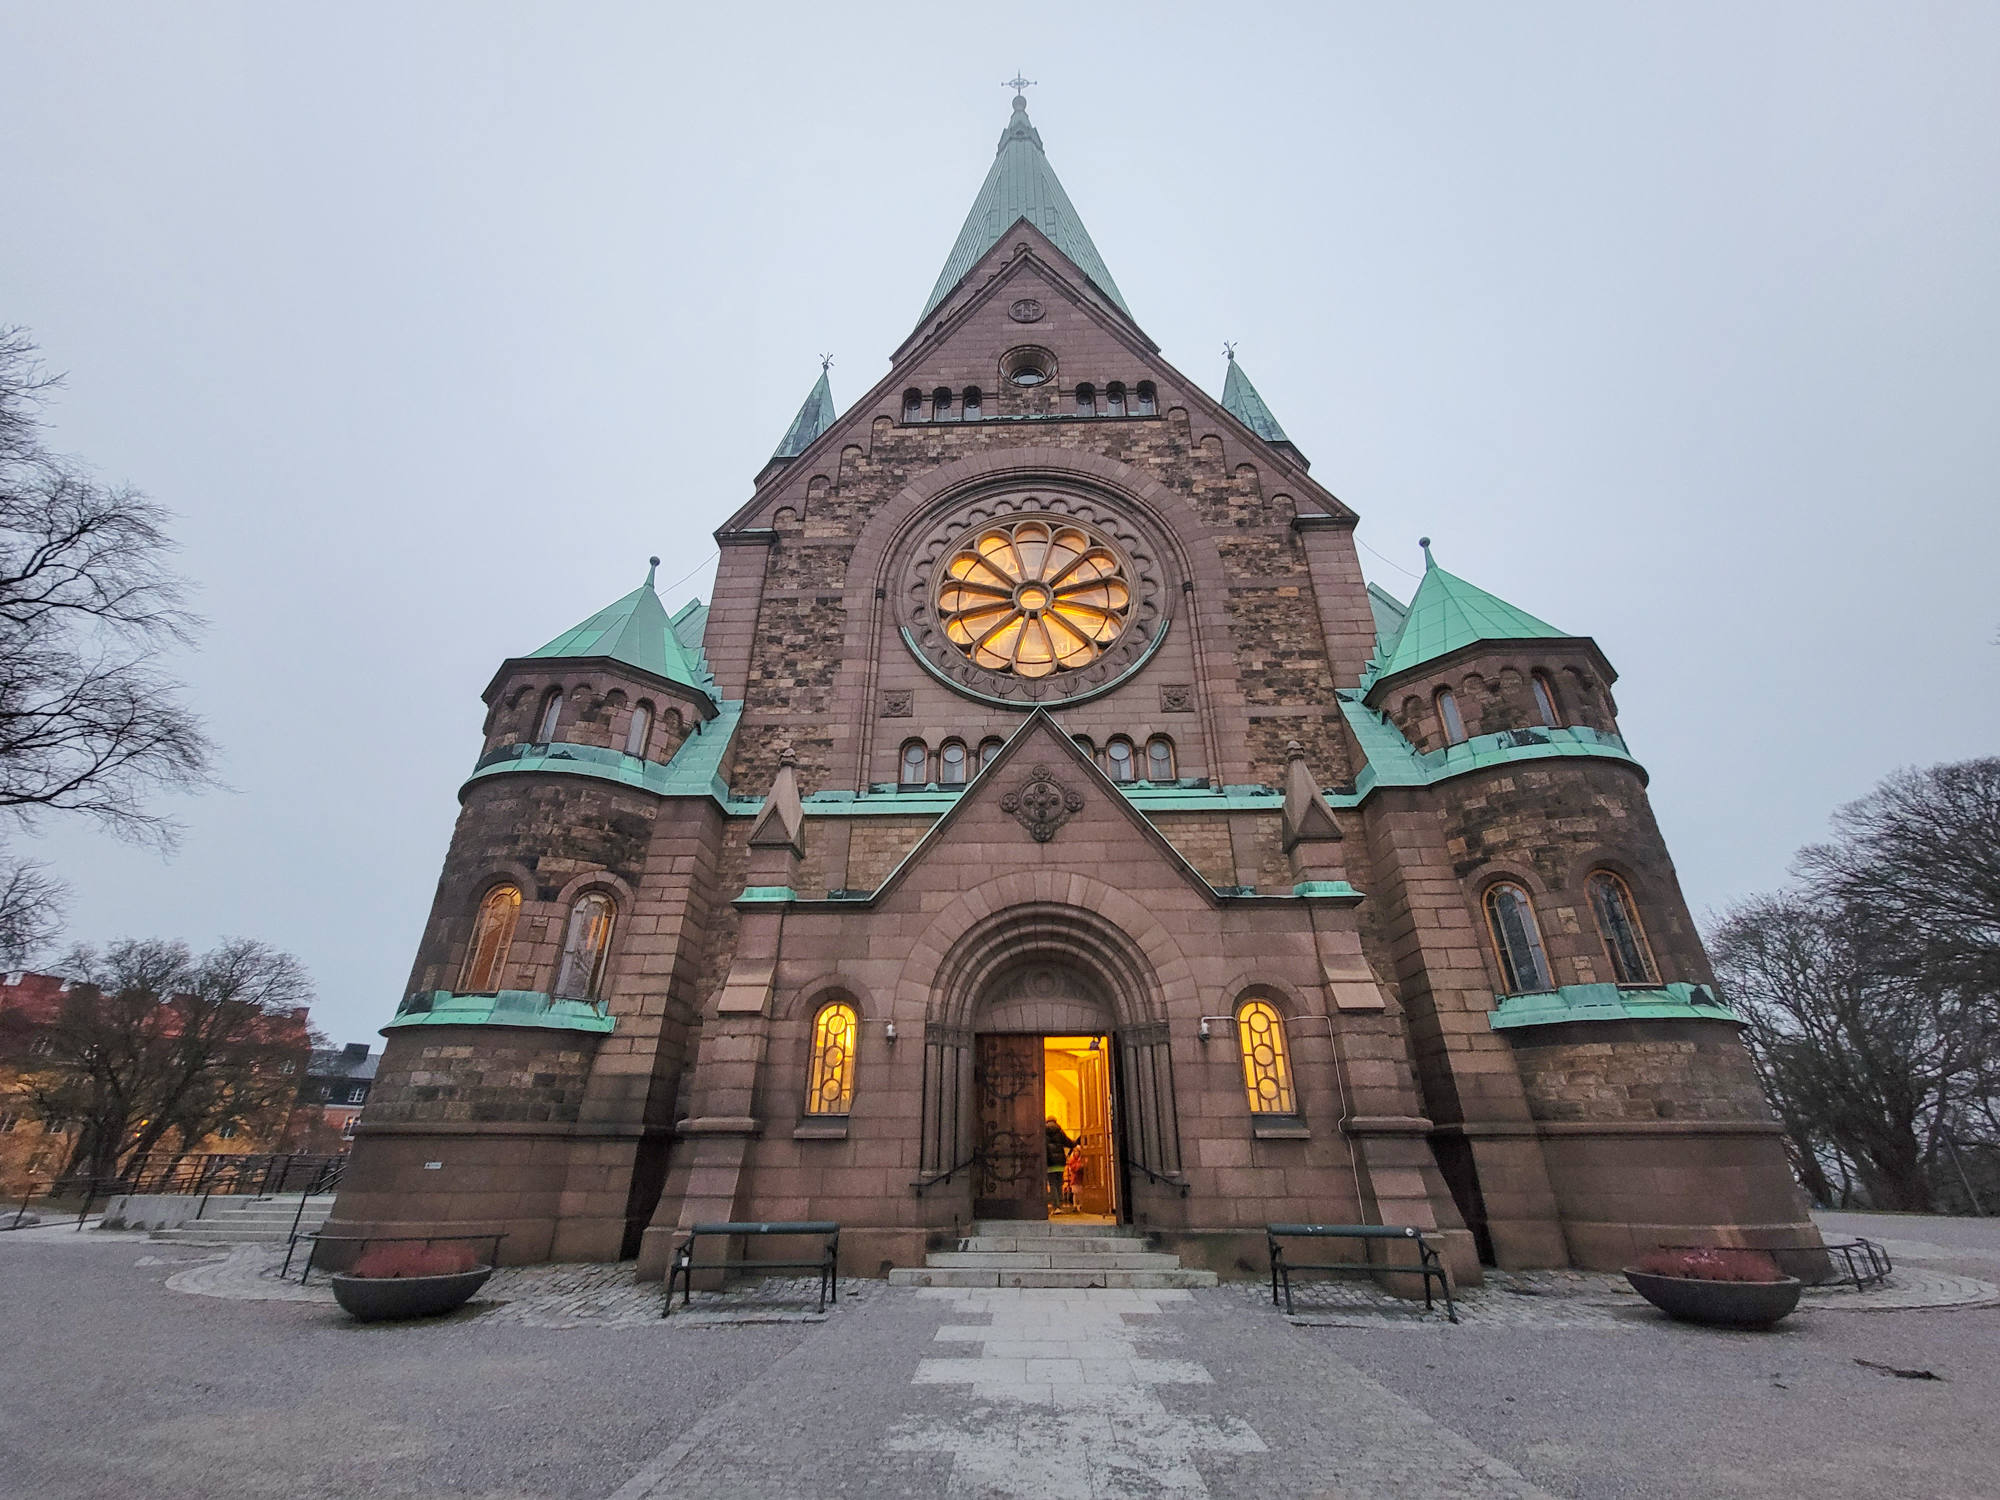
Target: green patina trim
{"x": 1393, "y": 761}
{"x": 1311, "y": 888}
{"x": 506, "y": 1008}
{"x": 768, "y": 893}
{"x": 1610, "y": 1002}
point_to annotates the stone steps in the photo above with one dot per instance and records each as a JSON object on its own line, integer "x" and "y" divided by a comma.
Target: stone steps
{"x": 1026, "y": 1253}
{"x": 243, "y": 1221}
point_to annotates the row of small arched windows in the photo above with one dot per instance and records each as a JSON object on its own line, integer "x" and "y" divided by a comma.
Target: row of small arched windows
{"x": 637, "y": 734}
{"x": 969, "y": 405}
{"x": 1453, "y": 723}
{"x": 1517, "y": 937}
{"x": 1112, "y": 402}
{"x": 954, "y": 763}
{"x": 586, "y": 945}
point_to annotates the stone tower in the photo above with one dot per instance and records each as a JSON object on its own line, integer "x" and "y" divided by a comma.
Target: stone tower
{"x": 1043, "y": 761}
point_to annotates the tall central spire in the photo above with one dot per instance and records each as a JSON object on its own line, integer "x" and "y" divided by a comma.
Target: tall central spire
{"x": 1022, "y": 185}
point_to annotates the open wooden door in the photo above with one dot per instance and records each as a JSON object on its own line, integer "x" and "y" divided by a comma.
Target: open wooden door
{"x": 1095, "y": 1193}
{"x": 1011, "y": 1168}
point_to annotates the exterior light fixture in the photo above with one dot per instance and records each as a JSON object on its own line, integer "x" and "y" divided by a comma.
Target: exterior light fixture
{"x": 889, "y": 1034}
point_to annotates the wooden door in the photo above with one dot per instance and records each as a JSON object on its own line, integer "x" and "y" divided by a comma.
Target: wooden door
{"x": 1094, "y": 1194}
{"x": 1011, "y": 1168}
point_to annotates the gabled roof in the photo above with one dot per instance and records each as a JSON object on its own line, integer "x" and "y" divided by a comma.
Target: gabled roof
{"x": 1022, "y": 185}
{"x": 814, "y": 418}
{"x": 1241, "y": 401}
{"x": 634, "y": 630}
{"x": 1389, "y": 617}
{"x": 1448, "y": 613}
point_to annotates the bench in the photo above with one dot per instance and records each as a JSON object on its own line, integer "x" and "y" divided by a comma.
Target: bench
{"x": 1430, "y": 1263}
{"x": 827, "y": 1264}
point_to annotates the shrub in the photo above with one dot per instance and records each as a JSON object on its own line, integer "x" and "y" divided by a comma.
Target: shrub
{"x": 415, "y": 1260}
{"x": 1717, "y": 1263}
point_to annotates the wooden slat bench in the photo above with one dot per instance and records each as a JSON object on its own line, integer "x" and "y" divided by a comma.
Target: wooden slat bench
{"x": 1430, "y": 1263}
{"x": 827, "y": 1264}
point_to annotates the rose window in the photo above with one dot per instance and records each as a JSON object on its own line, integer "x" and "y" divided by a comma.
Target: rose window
{"x": 1033, "y": 598}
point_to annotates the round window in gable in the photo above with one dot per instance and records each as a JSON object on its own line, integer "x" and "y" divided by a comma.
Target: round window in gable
{"x": 1028, "y": 365}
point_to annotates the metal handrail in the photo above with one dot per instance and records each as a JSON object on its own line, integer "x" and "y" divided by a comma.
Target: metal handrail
{"x": 945, "y": 1176}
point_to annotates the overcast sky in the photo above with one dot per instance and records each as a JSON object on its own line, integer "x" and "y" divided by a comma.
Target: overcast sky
{"x": 1675, "y": 325}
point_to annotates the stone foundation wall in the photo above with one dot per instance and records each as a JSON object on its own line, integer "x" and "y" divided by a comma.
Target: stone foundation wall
{"x": 482, "y": 1073}
{"x": 1638, "y": 1070}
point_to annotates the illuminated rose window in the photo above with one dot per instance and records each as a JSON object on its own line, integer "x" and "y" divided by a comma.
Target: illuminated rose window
{"x": 1033, "y": 598}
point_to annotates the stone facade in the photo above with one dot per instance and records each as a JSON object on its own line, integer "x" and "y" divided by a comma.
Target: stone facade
{"x": 1302, "y": 832}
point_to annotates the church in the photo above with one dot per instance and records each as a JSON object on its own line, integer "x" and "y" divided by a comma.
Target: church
{"x": 1045, "y": 819}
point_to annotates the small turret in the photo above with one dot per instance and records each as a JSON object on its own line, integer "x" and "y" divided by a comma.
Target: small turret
{"x": 1241, "y": 401}
{"x": 815, "y": 416}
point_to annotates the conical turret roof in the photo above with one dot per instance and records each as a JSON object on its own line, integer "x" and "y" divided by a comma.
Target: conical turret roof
{"x": 1448, "y": 613}
{"x": 814, "y": 418}
{"x": 634, "y": 630}
{"x": 1241, "y": 401}
{"x": 1022, "y": 185}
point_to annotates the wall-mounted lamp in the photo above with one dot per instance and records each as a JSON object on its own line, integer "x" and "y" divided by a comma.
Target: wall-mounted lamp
{"x": 889, "y": 1033}
{"x": 1202, "y": 1032}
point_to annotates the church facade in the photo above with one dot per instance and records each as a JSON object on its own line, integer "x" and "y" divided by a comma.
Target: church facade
{"x": 1044, "y": 769}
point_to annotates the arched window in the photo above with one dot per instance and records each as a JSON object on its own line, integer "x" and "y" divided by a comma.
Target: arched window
{"x": 1083, "y": 743}
{"x": 1618, "y": 924}
{"x": 639, "y": 731}
{"x": 1545, "y": 700}
{"x": 916, "y": 765}
{"x": 1086, "y": 400}
{"x": 1267, "y": 1062}
{"x": 951, "y": 763}
{"x": 988, "y": 749}
{"x": 1149, "y": 401}
{"x": 586, "y": 947}
{"x": 492, "y": 936}
{"x": 974, "y": 399}
{"x": 1114, "y": 398}
{"x": 830, "y": 1090}
{"x": 940, "y": 405}
{"x": 551, "y": 716}
{"x": 1118, "y": 760}
{"x": 913, "y": 406}
{"x": 1454, "y": 726}
{"x": 1510, "y": 916}
{"x": 1159, "y": 758}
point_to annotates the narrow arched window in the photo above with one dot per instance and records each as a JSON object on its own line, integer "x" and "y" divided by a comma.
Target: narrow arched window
{"x": 1545, "y": 700}
{"x": 1159, "y": 758}
{"x": 941, "y": 405}
{"x": 913, "y": 406}
{"x": 916, "y": 768}
{"x": 1454, "y": 726}
{"x": 1618, "y": 925}
{"x": 1086, "y": 400}
{"x": 974, "y": 399}
{"x": 639, "y": 731}
{"x": 1149, "y": 401}
{"x": 1083, "y": 743}
{"x": 830, "y": 1090}
{"x": 492, "y": 936}
{"x": 551, "y": 716}
{"x": 989, "y": 750}
{"x": 951, "y": 763}
{"x": 1267, "y": 1062}
{"x": 586, "y": 947}
{"x": 1510, "y": 916}
{"x": 1114, "y": 399}
{"x": 1118, "y": 760}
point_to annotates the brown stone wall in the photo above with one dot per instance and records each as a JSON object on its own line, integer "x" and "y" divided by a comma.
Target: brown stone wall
{"x": 1638, "y": 1070}
{"x": 484, "y": 1073}
{"x": 597, "y": 710}
{"x": 1494, "y": 693}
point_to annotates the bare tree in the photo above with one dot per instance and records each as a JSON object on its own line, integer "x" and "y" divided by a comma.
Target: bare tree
{"x": 31, "y": 906}
{"x": 155, "y": 1046}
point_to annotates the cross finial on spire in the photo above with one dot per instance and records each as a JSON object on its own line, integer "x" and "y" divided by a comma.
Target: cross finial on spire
{"x": 1429, "y": 561}
{"x": 1017, "y": 83}
{"x": 825, "y": 363}
{"x": 1230, "y": 351}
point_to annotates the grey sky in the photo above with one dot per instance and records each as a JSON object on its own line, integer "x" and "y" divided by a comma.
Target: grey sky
{"x": 1675, "y": 325}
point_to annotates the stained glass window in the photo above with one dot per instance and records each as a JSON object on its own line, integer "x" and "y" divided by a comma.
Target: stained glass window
{"x": 1618, "y": 924}
{"x": 1518, "y": 942}
{"x": 1159, "y": 758}
{"x": 586, "y": 947}
{"x": 492, "y": 935}
{"x": 1267, "y": 1063}
{"x": 831, "y": 1090}
{"x": 1033, "y": 598}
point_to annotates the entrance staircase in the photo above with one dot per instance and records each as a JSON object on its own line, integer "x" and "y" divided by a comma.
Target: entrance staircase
{"x": 241, "y": 1221}
{"x": 1024, "y": 1252}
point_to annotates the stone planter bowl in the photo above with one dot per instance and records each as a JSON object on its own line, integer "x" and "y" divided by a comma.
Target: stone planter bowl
{"x": 1725, "y": 1304}
{"x": 373, "y": 1299}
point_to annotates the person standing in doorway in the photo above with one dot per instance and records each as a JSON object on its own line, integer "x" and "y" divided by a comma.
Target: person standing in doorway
{"x": 1059, "y": 1145}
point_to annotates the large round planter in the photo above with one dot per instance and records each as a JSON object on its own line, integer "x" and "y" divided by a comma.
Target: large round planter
{"x": 374, "y": 1299}
{"x": 1726, "y": 1304}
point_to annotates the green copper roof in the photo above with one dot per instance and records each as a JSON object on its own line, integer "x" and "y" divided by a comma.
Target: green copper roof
{"x": 813, "y": 419}
{"x": 1241, "y": 401}
{"x": 1022, "y": 185}
{"x": 1389, "y": 616}
{"x": 635, "y": 631}
{"x": 1448, "y": 613}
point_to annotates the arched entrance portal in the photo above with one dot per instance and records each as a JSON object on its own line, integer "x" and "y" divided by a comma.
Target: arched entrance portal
{"x": 1046, "y": 1137}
